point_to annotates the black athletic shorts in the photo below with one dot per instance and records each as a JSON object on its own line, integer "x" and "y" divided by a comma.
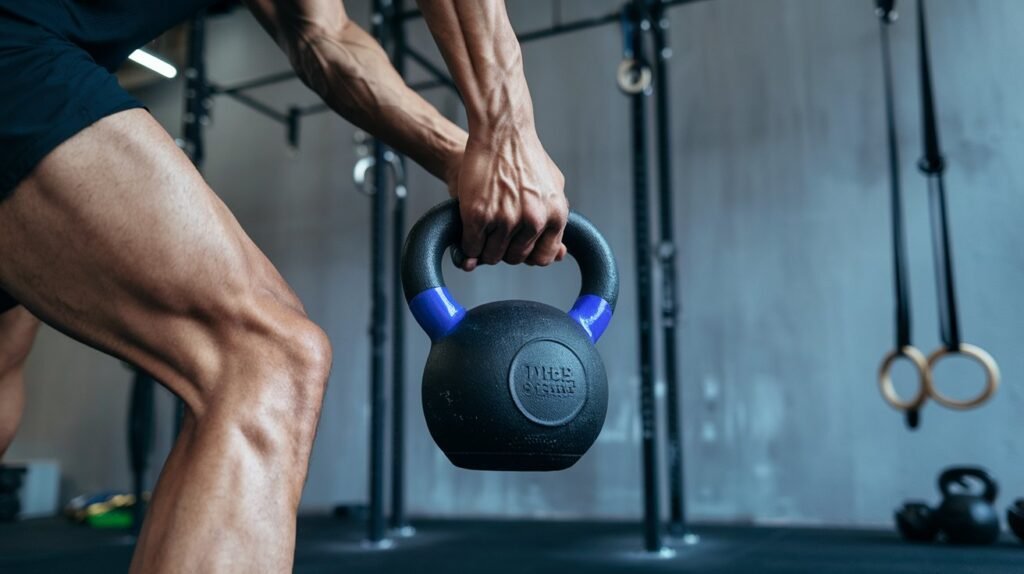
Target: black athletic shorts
{"x": 50, "y": 89}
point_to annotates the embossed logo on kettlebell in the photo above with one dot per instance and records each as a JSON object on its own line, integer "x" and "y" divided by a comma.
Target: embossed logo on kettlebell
{"x": 547, "y": 382}
{"x": 550, "y": 380}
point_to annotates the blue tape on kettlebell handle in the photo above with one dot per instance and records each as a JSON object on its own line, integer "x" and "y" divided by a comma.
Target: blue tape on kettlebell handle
{"x": 436, "y": 311}
{"x": 593, "y": 314}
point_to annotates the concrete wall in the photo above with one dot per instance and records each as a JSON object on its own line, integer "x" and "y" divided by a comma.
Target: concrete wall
{"x": 781, "y": 201}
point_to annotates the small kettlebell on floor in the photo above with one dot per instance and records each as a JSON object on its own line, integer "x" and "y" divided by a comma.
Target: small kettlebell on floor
{"x": 916, "y": 522}
{"x": 1015, "y": 518}
{"x": 511, "y": 385}
{"x": 966, "y": 518}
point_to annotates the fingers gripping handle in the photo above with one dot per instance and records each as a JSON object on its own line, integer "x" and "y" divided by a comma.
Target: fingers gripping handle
{"x": 438, "y": 312}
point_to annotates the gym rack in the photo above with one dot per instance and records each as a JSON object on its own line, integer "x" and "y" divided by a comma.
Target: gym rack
{"x": 388, "y": 21}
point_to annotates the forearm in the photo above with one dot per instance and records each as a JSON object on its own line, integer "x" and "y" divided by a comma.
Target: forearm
{"x": 353, "y": 75}
{"x": 485, "y": 59}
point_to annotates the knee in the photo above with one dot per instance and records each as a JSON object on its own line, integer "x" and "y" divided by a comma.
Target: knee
{"x": 267, "y": 375}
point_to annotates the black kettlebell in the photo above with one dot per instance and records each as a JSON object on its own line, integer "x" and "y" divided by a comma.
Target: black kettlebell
{"x": 1015, "y": 517}
{"x": 511, "y": 385}
{"x": 966, "y": 518}
{"x": 10, "y": 478}
{"x": 916, "y": 522}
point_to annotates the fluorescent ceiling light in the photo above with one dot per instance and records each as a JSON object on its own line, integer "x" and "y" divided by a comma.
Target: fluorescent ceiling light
{"x": 144, "y": 58}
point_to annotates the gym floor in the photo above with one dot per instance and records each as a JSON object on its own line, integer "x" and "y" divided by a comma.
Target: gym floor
{"x": 330, "y": 545}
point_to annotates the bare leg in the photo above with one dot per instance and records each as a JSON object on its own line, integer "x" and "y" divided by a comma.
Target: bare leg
{"x": 116, "y": 240}
{"x": 17, "y": 331}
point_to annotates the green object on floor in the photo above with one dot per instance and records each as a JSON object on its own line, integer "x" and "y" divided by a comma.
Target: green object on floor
{"x": 120, "y": 518}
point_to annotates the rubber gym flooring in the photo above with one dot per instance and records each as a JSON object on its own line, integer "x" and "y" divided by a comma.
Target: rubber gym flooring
{"x": 331, "y": 545}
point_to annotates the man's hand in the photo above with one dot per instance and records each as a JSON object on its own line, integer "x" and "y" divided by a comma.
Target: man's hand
{"x": 510, "y": 192}
{"x": 512, "y": 202}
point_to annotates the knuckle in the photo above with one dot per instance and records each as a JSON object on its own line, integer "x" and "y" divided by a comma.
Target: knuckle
{"x": 506, "y": 220}
{"x": 533, "y": 222}
{"x": 559, "y": 178}
{"x": 560, "y": 216}
{"x": 474, "y": 213}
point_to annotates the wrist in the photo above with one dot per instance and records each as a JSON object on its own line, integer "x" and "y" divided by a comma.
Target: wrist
{"x": 447, "y": 145}
{"x": 497, "y": 134}
{"x": 505, "y": 112}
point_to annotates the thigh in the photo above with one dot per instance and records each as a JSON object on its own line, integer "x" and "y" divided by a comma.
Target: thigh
{"x": 116, "y": 240}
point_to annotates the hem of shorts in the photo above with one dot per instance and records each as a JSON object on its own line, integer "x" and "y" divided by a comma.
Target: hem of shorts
{"x": 23, "y": 166}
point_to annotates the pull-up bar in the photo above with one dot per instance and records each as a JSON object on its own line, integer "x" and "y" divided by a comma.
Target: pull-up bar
{"x": 440, "y": 78}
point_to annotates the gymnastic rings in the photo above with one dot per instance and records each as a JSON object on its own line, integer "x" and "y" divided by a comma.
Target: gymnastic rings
{"x": 924, "y": 374}
{"x": 363, "y": 166}
{"x": 633, "y": 77}
{"x": 992, "y": 376}
{"x": 926, "y": 388}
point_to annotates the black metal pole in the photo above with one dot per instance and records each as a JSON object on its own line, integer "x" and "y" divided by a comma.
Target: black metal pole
{"x": 667, "y": 258}
{"x": 645, "y": 312}
{"x": 399, "y": 523}
{"x": 378, "y": 312}
{"x": 575, "y": 26}
{"x": 140, "y": 441}
{"x": 268, "y": 80}
{"x": 197, "y": 92}
{"x": 197, "y": 110}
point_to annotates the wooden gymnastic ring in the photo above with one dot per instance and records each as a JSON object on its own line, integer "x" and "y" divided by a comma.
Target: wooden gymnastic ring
{"x": 992, "y": 376}
{"x": 889, "y": 390}
{"x": 633, "y": 78}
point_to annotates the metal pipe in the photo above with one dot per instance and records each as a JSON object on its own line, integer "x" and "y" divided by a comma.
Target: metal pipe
{"x": 270, "y": 79}
{"x": 673, "y": 3}
{"x": 257, "y": 106}
{"x": 582, "y": 24}
{"x": 378, "y": 314}
{"x": 197, "y": 92}
{"x": 408, "y": 15}
{"x": 667, "y": 258}
{"x": 398, "y": 521}
{"x": 645, "y": 312}
{"x": 140, "y": 440}
{"x": 558, "y": 29}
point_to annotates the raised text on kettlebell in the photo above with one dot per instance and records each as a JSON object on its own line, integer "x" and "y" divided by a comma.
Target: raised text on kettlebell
{"x": 549, "y": 380}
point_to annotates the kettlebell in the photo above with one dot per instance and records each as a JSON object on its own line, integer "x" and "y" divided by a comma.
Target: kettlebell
{"x": 1015, "y": 517}
{"x": 916, "y": 522}
{"x": 511, "y": 385}
{"x": 966, "y": 518}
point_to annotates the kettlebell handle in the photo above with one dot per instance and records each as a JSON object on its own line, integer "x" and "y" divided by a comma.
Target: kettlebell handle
{"x": 956, "y": 475}
{"x": 438, "y": 312}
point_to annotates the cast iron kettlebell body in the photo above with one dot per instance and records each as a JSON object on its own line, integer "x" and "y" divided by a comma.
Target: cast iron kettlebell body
{"x": 1015, "y": 518}
{"x": 511, "y": 385}
{"x": 966, "y": 518}
{"x": 916, "y": 522}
